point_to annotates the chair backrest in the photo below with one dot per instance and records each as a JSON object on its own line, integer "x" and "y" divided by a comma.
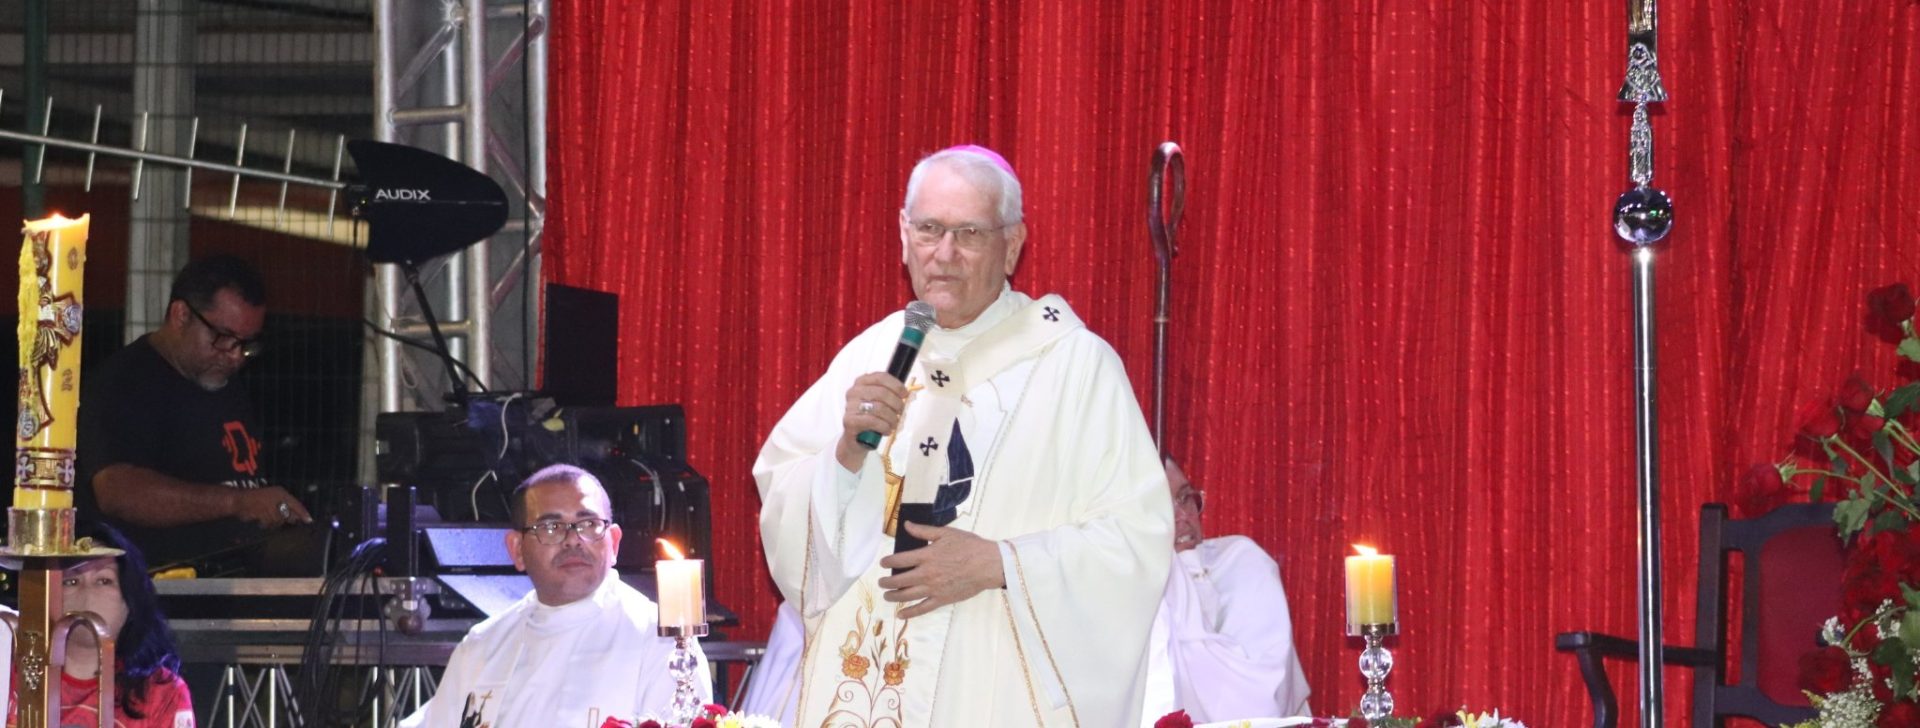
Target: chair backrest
{"x": 1790, "y": 585}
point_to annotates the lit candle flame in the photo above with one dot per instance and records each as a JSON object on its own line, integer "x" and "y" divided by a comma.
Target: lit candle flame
{"x": 673, "y": 552}
{"x": 1365, "y": 550}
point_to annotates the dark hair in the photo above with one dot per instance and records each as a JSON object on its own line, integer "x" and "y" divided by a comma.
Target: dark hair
{"x": 203, "y": 278}
{"x": 144, "y": 653}
{"x": 517, "y": 503}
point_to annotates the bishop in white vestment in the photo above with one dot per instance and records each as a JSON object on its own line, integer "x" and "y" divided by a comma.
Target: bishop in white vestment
{"x": 1018, "y": 431}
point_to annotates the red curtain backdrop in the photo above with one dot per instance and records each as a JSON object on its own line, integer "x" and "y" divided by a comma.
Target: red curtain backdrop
{"x": 1399, "y": 315}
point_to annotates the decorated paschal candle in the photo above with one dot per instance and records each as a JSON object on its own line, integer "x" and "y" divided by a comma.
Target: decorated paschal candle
{"x": 53, "y": 256}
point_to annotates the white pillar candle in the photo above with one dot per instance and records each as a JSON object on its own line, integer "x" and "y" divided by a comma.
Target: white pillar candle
{"x": 677, "y": 585}
{"x": 1370, "y": 589}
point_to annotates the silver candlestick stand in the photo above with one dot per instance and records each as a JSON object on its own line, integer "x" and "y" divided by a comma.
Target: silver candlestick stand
{"x": 682, "y": 665}
{"x": 1375, "y": 662}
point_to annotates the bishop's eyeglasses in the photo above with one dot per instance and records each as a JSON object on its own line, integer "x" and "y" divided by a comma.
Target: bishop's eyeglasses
{"x": 930, "y": 232}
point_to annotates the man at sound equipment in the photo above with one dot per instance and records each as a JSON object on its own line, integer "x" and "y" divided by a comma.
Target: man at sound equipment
{"x": 981, "y": 536}
{"x": 582, "y": 646}
{"x": 168, "y": 450}
{"x": 1222, "y": 647}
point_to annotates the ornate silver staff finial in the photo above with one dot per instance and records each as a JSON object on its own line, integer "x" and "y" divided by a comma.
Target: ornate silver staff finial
{"x": 1643, "y": 59}
{"x": 1643, "y": 216}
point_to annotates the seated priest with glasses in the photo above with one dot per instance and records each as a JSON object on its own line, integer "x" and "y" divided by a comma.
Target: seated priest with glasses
{"x": 1222, "y": 646}
{"x": 582, "y": 647}
{"x": 169, "y": 450}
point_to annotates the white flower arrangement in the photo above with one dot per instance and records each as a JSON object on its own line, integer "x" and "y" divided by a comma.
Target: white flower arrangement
{"x": 1488, "y": 720}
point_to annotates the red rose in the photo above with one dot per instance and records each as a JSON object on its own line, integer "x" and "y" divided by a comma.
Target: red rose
{"x": 1441, "y": 719}
{"x": 1825, "y": 670}
{"x": 1903, "y": 556}
{"x": 1882, "y": 675}
{"x": 1853, "y": 399}
{"x": 1899, "y": 715}
{"x": 1887, "y": 307}
{"x": 1861, "y": 426}
{"x": 714, "y": 709}
{"x": 1761, "y": 490}
{"x": 613, "y": 722}
{"x": 1864, "y": 588}
{"x": 1175, "y": 719}
{"x": 1818, "y": 420}
{"x": 1854, "y": 395}
{"x": 703, "y": 722}
{"x": 649, "y": 723}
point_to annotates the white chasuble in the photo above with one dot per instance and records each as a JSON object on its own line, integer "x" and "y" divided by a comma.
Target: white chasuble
{"x": 1021, "y": 428}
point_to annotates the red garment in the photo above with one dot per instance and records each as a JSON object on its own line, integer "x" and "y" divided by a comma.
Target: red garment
{"x": 167, "y": 704}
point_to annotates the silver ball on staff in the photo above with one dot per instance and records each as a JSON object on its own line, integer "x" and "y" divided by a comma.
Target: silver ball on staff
{"x": 1642, "y": 216}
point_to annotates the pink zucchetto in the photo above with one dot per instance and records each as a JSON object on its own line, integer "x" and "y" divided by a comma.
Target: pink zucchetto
{"x": 991, "y": 155}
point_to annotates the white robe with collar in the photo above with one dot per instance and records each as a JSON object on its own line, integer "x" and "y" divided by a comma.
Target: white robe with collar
{"x": 1222, "y": 645}
{"x": 566, "y": 666}
{"x": 1066, "y": 478}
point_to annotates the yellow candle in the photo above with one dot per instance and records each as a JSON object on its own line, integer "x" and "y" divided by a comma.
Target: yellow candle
{"x": 677, "y": 584}
{"x": 1370, "y": 598}
{"x": 53, "y": 256}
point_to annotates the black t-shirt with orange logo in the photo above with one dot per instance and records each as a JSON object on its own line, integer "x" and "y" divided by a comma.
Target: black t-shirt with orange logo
{"x": 136, "y": 409}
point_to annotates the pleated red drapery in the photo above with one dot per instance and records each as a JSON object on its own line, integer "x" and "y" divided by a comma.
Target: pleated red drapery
{"x": 1400, "y": 316}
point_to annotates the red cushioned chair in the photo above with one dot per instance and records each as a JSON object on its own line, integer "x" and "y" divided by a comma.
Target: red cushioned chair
{"x": 1791, "y": 584}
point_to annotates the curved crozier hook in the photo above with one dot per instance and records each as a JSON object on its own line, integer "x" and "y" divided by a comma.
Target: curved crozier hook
{"x": 1164, "y": 223}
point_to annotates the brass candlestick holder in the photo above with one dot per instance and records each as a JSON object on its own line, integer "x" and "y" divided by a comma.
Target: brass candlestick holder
{"x": 41, "y": 547}
{"x": 682, "y": 665}
{"x": 1375, "y": 662}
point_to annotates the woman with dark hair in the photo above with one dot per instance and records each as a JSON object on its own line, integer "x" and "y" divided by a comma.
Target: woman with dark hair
{"x": 148, "y": 691}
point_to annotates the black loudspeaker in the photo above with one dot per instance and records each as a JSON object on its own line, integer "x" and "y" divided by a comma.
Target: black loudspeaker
{"x": 446, "y": 460}
{"x": 668, "y": 501}
{"x": 579, "y": 362}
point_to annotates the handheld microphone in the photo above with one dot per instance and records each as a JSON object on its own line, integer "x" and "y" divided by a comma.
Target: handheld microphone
{"x": 919, "y": 319}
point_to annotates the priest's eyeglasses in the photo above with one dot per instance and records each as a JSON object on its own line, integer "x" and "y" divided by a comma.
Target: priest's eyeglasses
{"x": 929, "y": 232}
{"x": 224, "y": 340}
{"x": 1194, "y": 498}
{"x": 554, "y": 532}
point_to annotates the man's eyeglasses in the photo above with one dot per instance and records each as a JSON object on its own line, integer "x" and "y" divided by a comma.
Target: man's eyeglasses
{"x": 928, "y": 232}
{"x": 554, "y": 532}
{"x": 1194, "y": 498}
{"x": 225, "y": 341}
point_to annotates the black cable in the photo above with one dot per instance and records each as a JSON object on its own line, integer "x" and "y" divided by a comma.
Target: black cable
{"x": 360, "y": 256}
{"x": 424, "y": 346}
{"x": 319, "y": 679}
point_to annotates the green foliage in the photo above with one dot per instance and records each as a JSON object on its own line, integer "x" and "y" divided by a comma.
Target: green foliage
{"x": 1910, "y": 348}
{"x": 1851, "y": 514}
{"x": 1892, "y": 654}
{"x": 1902, "y": 399}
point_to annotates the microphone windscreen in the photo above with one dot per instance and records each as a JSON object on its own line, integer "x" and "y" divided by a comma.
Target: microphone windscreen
{"x": 919, "y": 316}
